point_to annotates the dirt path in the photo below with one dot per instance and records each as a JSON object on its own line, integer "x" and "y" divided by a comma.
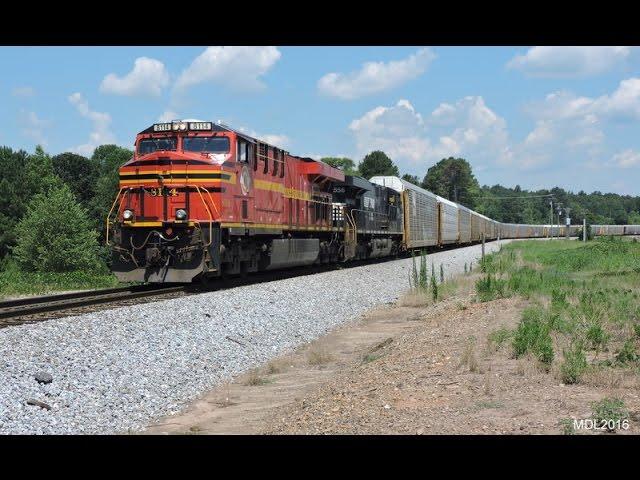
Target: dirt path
{"x": 403, "y": 370}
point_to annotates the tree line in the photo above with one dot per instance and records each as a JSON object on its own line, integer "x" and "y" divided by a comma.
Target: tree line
{"x": 53, "y": 208}
{"x": 453, "y": 178}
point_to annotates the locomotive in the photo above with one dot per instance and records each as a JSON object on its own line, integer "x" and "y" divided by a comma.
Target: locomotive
{"x": 200, "y": 199}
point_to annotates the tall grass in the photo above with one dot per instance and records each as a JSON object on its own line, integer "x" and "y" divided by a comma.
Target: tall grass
{"x": 586, "y": 298}
{"x": 14, "y": 281}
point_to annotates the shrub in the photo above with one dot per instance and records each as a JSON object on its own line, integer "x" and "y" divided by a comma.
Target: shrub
{"x": 596, "y": 336}
{"x": 609, "y": 410}
{"x": 490, "y": 288}
{"x": 574, "y": 365}
{"x": 55, "y": 235}
{"x": 434, "y": 285}
{"x": 500, "y": 336}
{"x": 627, "y": 353}
{"x": 532, "y": 335}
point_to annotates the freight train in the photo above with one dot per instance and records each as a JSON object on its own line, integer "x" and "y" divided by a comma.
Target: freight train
{"x": 201, "y": 199}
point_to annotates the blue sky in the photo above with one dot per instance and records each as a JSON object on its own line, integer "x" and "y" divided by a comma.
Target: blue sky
{"x": 533, "y": 116}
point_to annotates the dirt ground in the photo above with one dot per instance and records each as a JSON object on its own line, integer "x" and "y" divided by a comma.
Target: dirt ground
{"x": 408, "y": 368}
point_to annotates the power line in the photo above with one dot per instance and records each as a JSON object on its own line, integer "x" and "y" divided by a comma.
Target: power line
{"x": 527, "y": 196}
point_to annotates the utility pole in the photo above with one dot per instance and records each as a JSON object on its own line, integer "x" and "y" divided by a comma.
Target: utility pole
{"x": 584, "y": 229}
{"x": 559, "y": 208}
{"x": 567, "y": 221}
{"x": 551, "y": 217}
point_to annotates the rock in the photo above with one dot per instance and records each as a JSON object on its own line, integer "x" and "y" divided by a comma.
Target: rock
{"x": 38, "y": 403}
{"x": 43, "y": 377}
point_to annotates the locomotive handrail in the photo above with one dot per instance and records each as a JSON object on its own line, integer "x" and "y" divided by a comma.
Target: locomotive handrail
{"x": 208, "y": 211}
{"x": 366, "y": 211}
{"x": 109, "y": 214}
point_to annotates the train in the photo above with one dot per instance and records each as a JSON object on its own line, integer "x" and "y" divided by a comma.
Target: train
{"x": 200, "y": 200}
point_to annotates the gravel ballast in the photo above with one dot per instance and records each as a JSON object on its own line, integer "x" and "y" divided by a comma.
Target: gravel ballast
{"x": 117, "y": 370}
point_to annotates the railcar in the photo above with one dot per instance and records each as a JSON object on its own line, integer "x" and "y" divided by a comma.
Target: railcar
{"x": 420, "y": 211}
{"x": 448, "y": 222}
{"x": 608, "y": 229}
{"x": 464, "y": 224}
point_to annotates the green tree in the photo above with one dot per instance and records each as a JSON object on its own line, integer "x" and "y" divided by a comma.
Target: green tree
{"x": 23, "y": 176}
{"x": 40, "y": 176}
{"x": 377, "y": 163}
{"x": 79, "y": 172}
{"x": 55, "y": 235}
{"x": 453, "y": 179}
{"x": 347, "y": 165}
{"x": 14, "y": 195}
{"x": 109, "y": 158}
{"x": 412, "y": 179}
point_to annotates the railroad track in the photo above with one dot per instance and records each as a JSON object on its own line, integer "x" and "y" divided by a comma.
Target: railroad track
{"x": 38, "y": 309}
{"x": 32, "y": 309}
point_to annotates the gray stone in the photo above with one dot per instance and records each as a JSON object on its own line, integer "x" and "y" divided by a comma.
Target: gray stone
{"x": 43, "y": 377}
{"x": 122, "y": 368}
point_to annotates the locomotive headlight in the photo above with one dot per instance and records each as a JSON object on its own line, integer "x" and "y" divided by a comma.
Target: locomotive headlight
{"x": 181, "y": 214}
{"x": 127, "y": 215}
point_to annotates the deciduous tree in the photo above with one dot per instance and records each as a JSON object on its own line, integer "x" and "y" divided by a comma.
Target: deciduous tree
{"x": 377, "y": 163}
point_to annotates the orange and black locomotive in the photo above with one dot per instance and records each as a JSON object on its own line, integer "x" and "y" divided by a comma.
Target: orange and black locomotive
{"x": 200, "y": 199}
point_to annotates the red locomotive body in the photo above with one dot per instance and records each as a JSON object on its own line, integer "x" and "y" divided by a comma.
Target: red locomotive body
{"x": 200, "y": 199}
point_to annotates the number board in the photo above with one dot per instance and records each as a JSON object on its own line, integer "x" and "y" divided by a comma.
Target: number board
{"x": 162, "y": 192}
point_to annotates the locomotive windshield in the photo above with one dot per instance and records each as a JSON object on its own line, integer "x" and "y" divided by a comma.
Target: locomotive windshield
{"x": 206, "y": 144}
{"x": 149, "y": 145}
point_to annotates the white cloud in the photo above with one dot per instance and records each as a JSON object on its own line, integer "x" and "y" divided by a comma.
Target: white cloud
{"x": 101, "y": 121}
{"x": 568, "y": 124}
{"x": 275, "y": 139}
{"x": 472, "y": 129}
{"x": 375, "y": 77}
{"x": 558, "y": 62}
{"x": 168, "y": 115}
{"x": 23, "y": 92}
{"x": 238, "y": 68}
{"x": 148, "y": 77}
{"x": 622, "y": 104}
{"x": 626, "y": 159}
{"x": 33, "y": 127}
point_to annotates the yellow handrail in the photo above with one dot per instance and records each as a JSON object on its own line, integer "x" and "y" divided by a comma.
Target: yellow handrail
{"x": 208, "y": 211}
{"x": 109, "y": 214}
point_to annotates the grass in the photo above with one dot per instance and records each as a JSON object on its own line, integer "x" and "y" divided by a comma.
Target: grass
{"x": 490, "y": 404}
{"x": 318, "y": 355}
{"x": 584, "y": 303}
{"x": 611, "y": 410}
{"x": 574, "y": 365}
{"x": 533, "y": 336}
{"x": 499, "y": 337}
{"x": 568, "y": 427}
{"x": 469, "y": 358}
{"x": 255, "y": 379}
{"x": 13, "y": 281}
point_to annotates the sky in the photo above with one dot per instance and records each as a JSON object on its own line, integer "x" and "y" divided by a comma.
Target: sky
{"x": 530, "y": 116}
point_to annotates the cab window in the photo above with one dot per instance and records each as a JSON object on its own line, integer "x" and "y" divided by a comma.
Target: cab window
{"x": 149, "y": 145}
{"x": 241, "y": 151}
{"x": 206, "y": 144}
